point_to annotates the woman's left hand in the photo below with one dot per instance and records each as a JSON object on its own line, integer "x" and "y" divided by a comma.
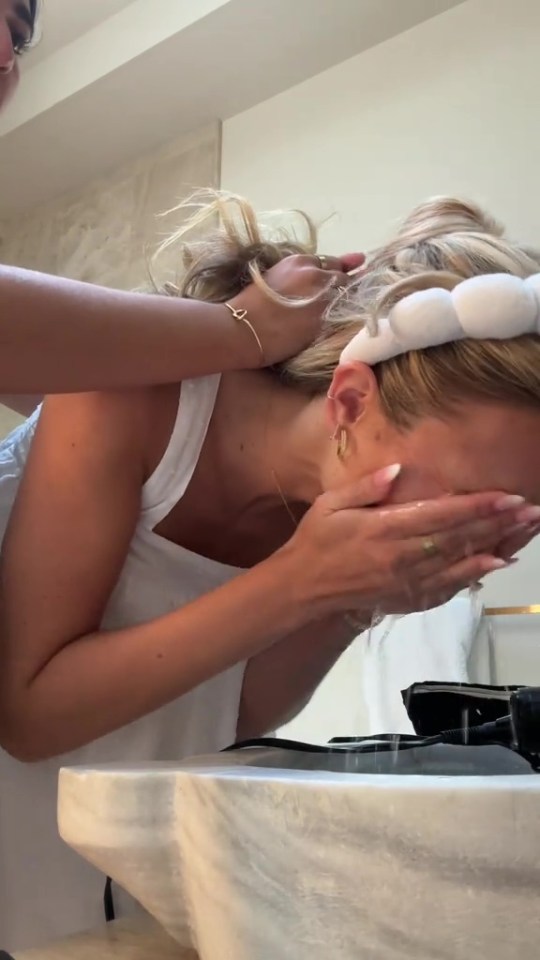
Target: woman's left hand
{"x": 508, "y": 548}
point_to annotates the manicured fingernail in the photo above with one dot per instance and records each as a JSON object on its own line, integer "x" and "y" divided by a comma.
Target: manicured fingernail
{"x": 495, "y": 563}
{"x": 509, "y": 559}
{"x": 509, "y": 501}
{"x": 528, "y": 515}
{"x": 388, "y": 474}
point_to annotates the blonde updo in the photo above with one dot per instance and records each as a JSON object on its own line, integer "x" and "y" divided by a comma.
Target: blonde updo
{"x": 224, "y": 246}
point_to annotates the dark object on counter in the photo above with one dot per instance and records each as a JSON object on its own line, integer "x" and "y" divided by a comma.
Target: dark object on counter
{"x": 433, "y": 707}
{"x": 504, "y": 738}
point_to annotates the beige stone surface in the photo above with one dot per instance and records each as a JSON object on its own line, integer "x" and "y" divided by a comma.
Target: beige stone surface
{"x": 8, "y": 421}
{"x": 122, "y": 940}
{"x": 106, "y": 233}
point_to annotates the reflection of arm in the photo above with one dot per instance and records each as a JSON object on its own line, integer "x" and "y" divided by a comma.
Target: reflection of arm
{"x": 58, "y": 336}
{"x": 280, "y": 681}
{"x": 63, "y": 682}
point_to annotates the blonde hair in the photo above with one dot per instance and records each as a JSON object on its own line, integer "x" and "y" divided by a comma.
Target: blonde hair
{"x": 224, "y": 246}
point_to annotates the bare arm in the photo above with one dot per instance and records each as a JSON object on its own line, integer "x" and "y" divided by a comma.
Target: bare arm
{"x": 63, "y": 682}
{"x": 280, "y": 681}
{"x": 58, "y": 336}
{"x": 62, "y": 336}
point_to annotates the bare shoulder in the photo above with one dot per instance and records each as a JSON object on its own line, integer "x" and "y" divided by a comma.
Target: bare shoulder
{"x": 112, "y": 422}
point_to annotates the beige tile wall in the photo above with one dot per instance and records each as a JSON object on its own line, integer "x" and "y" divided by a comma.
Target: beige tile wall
{"x": 106, "y": 232}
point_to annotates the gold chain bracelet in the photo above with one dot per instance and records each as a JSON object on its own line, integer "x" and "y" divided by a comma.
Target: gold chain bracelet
{"x": 241, "y": 315}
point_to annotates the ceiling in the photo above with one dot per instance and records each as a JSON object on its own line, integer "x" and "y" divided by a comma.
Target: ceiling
{"x": 111, "y": 79}
{"x": 63, "y": 21}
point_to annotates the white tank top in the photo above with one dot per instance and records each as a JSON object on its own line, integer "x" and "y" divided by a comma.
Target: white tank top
{"x": 46, "y": 890}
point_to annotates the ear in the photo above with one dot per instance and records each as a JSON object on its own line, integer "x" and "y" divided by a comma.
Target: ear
{"x": 353, "y": 394}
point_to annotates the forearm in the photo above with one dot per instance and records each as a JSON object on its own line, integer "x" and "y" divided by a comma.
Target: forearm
{"x": 279, "y": 682}
{"x": 61, "y": 336}
{"x": 104, "y": 681}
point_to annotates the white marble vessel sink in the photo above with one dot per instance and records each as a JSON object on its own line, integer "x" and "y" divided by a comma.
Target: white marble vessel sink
{"x": 244, "y": 859}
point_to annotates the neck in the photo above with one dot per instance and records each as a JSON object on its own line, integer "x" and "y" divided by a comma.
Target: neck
{"x": 272, "y": 438}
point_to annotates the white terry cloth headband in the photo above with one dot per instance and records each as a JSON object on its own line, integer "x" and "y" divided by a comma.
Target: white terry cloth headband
{"x": 495, "y": 306}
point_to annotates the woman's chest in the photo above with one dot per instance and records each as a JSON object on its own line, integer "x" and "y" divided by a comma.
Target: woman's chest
{"x": 221, "y": 514}
{"x": 238, "y": 537}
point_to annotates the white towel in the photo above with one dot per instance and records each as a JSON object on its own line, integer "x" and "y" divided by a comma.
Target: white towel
{"x": 420, "y": 647}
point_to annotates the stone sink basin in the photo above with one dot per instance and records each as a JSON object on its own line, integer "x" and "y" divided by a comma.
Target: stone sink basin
{"x": 269, "y": 855}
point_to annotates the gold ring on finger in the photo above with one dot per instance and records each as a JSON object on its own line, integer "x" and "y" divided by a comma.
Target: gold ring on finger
{"x": 322, "y": 261}
{"x": 429, "y": 546}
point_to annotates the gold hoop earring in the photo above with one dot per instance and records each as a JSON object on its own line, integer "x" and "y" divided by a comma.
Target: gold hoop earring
{"x": 342, "y": 443}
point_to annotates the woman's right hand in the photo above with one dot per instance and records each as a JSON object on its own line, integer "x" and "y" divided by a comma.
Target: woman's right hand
{"x": 353, "y": 554}
{"x": 285, "y": 329}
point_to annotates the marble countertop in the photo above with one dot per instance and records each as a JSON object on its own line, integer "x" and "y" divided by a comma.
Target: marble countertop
{"x": 122, "y": 940}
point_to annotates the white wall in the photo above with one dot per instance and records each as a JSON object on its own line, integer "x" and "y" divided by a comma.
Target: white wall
{"x": 448, "y": 107}
{"x": 451, "y": 106}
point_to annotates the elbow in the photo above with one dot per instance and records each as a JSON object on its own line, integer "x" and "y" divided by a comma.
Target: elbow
{"x": 21, "y": 739}
{"x": 255, "y": 724}
{"x": 24, "y": 753}
{"x": 24, "y": 749}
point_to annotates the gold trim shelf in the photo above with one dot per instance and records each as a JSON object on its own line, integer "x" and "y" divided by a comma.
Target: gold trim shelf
{"x": 512, "y": 611}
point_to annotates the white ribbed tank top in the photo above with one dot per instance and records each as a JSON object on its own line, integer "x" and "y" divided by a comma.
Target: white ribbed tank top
{"x": 46, "y": 890}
